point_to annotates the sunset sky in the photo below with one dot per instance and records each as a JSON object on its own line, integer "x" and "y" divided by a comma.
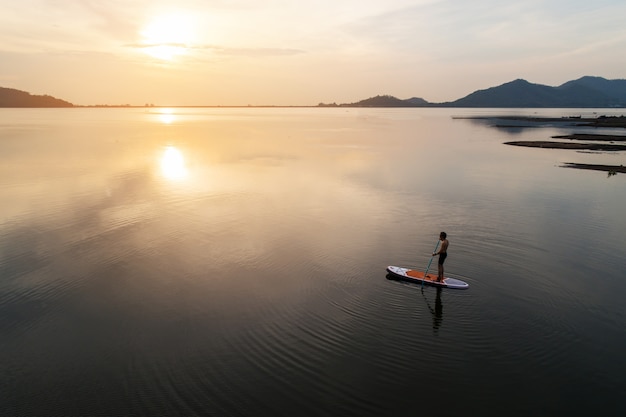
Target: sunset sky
{"x": 290, "y": 52}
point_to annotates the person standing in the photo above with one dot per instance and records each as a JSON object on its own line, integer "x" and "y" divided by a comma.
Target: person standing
{"x": 443, "y": 254}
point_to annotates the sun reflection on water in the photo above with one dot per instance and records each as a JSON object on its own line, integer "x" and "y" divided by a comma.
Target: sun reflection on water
{"x": 166, "y": 116}
{"x": 173, "y": 165}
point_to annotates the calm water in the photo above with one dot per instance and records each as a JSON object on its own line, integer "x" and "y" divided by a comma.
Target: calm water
{"x": 231, "y": 262}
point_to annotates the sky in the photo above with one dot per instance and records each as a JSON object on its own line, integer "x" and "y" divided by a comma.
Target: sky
{"x": 301, "y": 52}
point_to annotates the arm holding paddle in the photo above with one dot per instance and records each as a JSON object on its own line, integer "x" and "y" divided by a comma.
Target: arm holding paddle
{"x": 444, "y": 248}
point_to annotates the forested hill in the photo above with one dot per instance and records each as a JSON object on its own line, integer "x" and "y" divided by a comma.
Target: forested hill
{"x": 10, "y": 97}
{"x": 583, "y": 92}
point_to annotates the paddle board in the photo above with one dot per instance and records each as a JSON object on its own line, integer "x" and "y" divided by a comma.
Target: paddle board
{"x": 412, "y": 275}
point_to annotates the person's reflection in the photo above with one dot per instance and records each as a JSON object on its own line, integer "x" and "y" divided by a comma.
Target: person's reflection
{"x": 437, "y": 312}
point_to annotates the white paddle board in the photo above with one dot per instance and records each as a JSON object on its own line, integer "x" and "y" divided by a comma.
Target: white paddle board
{"x": 413, "y": 275}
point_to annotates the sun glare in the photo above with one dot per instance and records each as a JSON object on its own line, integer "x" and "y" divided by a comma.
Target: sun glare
{"x": 166, "y": 116}
{"x": 167, "y": 36}
{"x": 173, "y": 165}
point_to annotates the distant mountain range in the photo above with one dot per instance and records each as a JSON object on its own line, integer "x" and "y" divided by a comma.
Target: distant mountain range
{"x": 10, "y": 97}
{"x": 583, "y": 92}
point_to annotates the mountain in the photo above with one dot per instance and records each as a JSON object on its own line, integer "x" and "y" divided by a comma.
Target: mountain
{"x": 10, "y": 97}
{"x": 389, "y": 101}
{"x": 583, "y": 92}
{"x": 518, "y": 93}
{"x": 611, "y": 88}
{"x": 417, "y": 102}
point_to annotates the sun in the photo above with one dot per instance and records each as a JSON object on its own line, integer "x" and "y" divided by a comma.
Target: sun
{"x": 167, "y": 36}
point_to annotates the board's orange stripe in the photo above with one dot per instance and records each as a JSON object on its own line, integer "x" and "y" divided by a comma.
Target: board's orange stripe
{"x": 420, "y": 275}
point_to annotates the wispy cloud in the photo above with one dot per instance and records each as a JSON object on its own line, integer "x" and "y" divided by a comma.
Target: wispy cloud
{"x": 258, "y": 52}
{"x": 221, "y": 50}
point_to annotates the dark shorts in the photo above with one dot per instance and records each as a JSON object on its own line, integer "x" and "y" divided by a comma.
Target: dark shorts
{"x": 442, "y": 258}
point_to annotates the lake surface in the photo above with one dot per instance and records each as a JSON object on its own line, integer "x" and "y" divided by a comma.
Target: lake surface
{"x": 231, "y": 262}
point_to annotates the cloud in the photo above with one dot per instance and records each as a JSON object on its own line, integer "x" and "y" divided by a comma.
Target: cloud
{"x": 222, "y": 50}
{"x": 259, "y": 52}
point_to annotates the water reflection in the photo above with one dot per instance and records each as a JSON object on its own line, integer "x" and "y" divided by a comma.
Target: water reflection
{"x": 235, "y": 245}
{"x": 173, "y": 165}
{"x": 437, "y": 312}
{"x": 166, "y": 116}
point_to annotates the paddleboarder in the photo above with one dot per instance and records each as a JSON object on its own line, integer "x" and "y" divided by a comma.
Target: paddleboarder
{"x": 443, "y": 254}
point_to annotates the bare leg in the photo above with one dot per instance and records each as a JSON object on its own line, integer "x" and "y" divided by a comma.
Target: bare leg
{"x": 440, "y": 276}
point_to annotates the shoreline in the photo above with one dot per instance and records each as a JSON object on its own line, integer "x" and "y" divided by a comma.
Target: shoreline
{"x": 531, "y": 121}
{"x": 594, "y": 142}
{"x": 568, "y": 145}
{"x": 611, "y": 169}
{"x": 594, "y": 137}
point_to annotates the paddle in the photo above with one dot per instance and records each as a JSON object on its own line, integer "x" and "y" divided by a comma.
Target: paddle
{"x": 429, "y": 262}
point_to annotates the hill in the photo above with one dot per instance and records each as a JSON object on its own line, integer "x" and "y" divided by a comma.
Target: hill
{"x": 10, "y": 97}
{"x": 383, "y": 101}
{"x": 390, "y": 101}
{"x": 583, "y": 92}
{"x": 611, "y": 88}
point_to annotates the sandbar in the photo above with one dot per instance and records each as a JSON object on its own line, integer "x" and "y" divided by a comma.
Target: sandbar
{"x": 568, "y": 145}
